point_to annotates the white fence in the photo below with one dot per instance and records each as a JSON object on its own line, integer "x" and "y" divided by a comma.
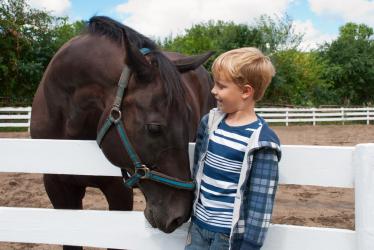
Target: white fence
{"x": 17, "y": 116}
{"x": 305, "y": 165}
{"x": 314, "y": 115}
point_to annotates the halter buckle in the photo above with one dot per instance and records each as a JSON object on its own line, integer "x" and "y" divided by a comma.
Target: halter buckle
{"x": 115, "y": 114}
{"x": 143, "y": 171}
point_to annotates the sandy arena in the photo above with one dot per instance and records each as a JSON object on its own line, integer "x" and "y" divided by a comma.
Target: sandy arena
{"x": 295, "y": 204}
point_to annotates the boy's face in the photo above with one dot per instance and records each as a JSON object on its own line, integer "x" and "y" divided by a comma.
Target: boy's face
{"x": 230, "y": 96}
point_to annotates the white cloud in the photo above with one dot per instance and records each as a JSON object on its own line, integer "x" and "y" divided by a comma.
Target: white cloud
{"x": 57, "y": 7}
{"x": 159, "y": 18}
{"x": 312, "y": 37}
{"x": 359, "y": 11}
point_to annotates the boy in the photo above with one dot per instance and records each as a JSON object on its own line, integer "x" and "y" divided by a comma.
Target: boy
{"x": 236, "y": 158}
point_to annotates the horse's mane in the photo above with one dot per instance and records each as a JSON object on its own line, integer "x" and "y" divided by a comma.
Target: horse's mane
{"x": 116, "y": 31}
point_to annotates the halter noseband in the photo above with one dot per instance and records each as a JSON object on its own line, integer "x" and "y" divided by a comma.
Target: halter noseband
{"x": 141, "y": 170}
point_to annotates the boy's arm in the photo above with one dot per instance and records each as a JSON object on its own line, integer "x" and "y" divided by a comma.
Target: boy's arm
{"x": 259, "y": 197}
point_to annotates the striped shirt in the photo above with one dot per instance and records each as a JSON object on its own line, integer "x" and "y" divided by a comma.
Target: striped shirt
{"x": 221, "y": 174}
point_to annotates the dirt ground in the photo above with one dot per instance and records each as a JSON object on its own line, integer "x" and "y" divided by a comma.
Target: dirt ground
{"x": 295, "y": 204}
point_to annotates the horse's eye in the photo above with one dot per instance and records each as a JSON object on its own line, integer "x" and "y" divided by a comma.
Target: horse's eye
{"x": 155, "y": 129}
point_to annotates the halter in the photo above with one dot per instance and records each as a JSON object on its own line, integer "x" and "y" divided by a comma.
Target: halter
{"x": 141, "y": 171}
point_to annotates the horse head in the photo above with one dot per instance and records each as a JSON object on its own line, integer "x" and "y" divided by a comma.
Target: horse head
{"x": 144, "y": 128}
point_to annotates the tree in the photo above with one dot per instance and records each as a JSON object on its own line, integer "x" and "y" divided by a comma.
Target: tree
{"x": 267, "y": 34}
{"x": 64, "y": 31}
{"x": 276, "y": 34}
{"x": 28, "y": 40}
{"x": 299, "y": 80}
{"x": 211, "y": 36}
{"x": 351, "y": 64}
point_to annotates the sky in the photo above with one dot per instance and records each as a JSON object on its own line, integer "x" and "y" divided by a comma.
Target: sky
{"x": 318, "y": 20}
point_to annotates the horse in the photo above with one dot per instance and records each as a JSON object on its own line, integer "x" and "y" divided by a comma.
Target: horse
{"x": 141, "y": 104}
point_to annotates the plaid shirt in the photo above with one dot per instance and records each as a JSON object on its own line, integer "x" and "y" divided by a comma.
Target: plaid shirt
{"x": 257, "y": 184}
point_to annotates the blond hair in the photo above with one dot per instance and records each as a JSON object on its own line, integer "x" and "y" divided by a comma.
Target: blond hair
{"x": 245, "y": 66}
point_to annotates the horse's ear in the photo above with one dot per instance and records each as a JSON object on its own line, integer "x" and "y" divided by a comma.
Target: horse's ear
{"x": 192, "y": 62}
{"x": 136, "y": 61}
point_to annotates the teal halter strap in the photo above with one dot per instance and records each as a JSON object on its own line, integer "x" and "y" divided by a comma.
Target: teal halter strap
{"x": 141, "y": 171}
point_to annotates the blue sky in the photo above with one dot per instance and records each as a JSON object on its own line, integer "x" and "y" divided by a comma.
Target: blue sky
{"x": 82, "y": 10}
{"x": 319, "y": 20}
{"x": 300, "y": 11}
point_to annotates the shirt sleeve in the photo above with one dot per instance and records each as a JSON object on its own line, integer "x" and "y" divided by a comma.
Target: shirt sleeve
{"x": 259, "y": 197}
{"x": 199, "y": 140}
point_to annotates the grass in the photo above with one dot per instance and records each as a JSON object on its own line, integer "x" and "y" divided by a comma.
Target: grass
{"x": 11, "y": 129}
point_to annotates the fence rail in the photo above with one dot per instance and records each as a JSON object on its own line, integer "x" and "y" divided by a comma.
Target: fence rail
{"x": 20, "y": 117}
{"x": 15, "y": 117}
{"x": 304, "y": 165}
{"x": 314, "y": 115}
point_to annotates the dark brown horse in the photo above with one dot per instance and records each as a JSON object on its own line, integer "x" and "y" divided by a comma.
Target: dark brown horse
{"x": 166, "y": 96}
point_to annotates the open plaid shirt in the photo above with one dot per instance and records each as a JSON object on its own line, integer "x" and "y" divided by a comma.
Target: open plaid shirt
{"x": 257, "y": 191}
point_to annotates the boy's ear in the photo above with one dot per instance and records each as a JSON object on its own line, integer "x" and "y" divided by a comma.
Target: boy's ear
{"x": 248, "y": 91}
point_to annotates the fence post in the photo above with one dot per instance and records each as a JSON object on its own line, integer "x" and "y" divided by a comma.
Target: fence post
{"x": 342, "y": 111}
{"x": 367, "y": 116}
{"x": 286, "y": 116}
{"x": 314, "y": 116}
{"x": 29, "y": 120}
{"x": 363, "y": 163}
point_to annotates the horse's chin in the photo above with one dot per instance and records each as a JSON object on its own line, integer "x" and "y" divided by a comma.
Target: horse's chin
{"x": 158, "y": 224}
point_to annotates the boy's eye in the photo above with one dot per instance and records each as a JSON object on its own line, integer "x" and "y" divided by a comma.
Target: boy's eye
{"x": 220, "y": 86}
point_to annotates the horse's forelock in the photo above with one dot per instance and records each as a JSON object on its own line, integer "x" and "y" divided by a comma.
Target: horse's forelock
{"x": 171, "y": 80}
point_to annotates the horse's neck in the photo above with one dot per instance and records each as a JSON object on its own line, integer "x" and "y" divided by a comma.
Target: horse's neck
{"x": 192, "y": 100}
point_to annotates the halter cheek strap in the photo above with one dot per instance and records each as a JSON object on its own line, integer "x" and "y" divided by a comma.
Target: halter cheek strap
{"x": 141, "y": 171}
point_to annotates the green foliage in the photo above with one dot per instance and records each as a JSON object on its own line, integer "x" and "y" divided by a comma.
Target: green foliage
{"x": 351, "y": 64}
{"x": 64, "y": 31}
{"x": 276, "y": 34}
{"x": 28, "y": 40}
{"x": 340, "y": 72}
{"x": 299, "y": 80}
{"x": 266, "y": 34}
{"x": 211, "y": 36}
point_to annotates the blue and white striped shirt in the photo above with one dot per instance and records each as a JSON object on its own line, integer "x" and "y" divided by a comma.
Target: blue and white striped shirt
{"x": 221, "y": 173}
